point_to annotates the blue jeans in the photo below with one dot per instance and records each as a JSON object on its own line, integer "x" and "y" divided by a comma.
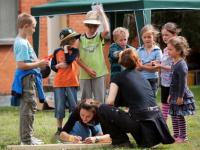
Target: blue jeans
{"x": 85, "y": 131}
{"x": 62, "y": 97}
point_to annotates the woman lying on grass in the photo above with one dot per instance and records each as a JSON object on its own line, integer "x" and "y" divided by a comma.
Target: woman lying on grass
{"x": 83, "y": 125}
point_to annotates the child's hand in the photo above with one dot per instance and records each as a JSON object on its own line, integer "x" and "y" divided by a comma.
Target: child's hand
{"x": 99, "y": 8}
{"x": 179, "y": 101}
{"x": 91, "y": 72}
{"x": 61, "y": 65}
{"x": 156, "y": 63}
{"x": 77, "y": 139}
{"x": 90, "y": 140}
{"x": 43, "y": 63}
{"x": 74, "y": 139}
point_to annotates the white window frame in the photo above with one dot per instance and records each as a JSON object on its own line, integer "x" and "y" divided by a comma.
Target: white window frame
{"x": 8, "y": 19}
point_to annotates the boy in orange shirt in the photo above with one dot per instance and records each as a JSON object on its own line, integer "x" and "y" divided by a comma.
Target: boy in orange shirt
{"x": 66, "y": 79}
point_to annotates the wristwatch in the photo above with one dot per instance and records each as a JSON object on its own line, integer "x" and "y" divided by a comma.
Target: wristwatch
{"x": 97, "y": 139}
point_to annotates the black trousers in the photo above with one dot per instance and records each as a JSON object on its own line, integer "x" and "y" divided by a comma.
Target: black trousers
{"x": 146, "y": 131}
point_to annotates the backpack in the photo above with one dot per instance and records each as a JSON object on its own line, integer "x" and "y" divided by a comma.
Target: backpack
{"x": 68, "y": 57}
{"x": 54, "y": 61}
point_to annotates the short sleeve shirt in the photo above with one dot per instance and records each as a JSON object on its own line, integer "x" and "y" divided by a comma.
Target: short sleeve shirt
{"x": 66, "y": 77}
{"x": 166, "y": 75}
{"x": 155, "y": 54}
{"x": 91, "y": 53}
{"x": 23, "y": 50}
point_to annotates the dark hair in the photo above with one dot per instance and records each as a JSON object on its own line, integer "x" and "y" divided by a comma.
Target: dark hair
{"x": 171, "y": 28}
{"x": 90, "y": 105}
{"x": 129, "y": 58}
{"x": 66, "y": 35}
{"x": 180, "y": 44}
{"x": 66, "y": 42}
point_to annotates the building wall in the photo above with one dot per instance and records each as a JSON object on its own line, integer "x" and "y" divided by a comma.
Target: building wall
{"x": 25, "y": 6}
{"x": 7, "y": 67}
{"x": 7, "y": 63}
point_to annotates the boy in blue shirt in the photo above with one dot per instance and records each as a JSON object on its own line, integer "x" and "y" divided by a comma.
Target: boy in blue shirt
{"x": 27, "y": 78}
{"x": 120, "y": 37}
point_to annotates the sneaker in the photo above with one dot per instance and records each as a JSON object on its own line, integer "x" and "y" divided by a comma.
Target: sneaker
{"x": 36, "y": 139}
{"x": 35, "y": 142}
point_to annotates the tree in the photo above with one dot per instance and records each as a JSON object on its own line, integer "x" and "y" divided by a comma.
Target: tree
{"x": 188, "y": 21}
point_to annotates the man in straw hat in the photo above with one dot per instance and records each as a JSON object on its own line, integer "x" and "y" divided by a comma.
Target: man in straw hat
{"x": 93, "y": 67}
{"x": 66, "y": 78}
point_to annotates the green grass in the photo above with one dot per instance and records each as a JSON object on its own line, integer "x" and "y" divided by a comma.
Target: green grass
{"x": 45, "y": 126}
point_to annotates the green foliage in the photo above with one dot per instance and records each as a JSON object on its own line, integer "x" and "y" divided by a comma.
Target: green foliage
{"x": 188, "y": 21}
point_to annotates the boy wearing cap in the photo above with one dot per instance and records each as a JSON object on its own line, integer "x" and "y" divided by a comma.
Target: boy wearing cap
{"x": 92, "y": 62}
{"x": 66, "y": 78}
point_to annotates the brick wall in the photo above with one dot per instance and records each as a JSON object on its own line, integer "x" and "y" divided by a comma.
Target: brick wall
{"x": 7, "y": 63}
{"x": 7, "y": 67}
{"x": 25, "y": 6}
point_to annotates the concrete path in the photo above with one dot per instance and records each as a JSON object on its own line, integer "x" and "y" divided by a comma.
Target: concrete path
{"x": 5, "y": 100}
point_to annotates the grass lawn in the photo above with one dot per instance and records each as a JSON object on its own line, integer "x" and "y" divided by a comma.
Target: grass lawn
{"x": 45, "y": 127}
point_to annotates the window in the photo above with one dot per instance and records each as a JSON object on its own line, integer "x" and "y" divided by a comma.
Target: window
{"x": 8, "y": 18}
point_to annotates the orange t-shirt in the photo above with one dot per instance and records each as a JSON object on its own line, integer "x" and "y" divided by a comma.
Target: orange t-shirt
{"x": 67, "y": 77}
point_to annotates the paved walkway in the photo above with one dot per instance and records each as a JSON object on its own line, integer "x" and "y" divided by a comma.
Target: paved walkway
{"x": 5, "y": 100}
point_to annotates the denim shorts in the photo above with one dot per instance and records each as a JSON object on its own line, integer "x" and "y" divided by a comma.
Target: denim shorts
{"x": 64, "y": 96}
{"x": 85, "y": 131}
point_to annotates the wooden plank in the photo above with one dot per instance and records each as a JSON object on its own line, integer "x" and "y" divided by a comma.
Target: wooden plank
{"x": 58, "y": 146}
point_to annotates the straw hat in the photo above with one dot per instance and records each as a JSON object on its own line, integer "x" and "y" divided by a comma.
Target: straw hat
{"x": 92, "y": 17}
{"x": 67, "y": 34}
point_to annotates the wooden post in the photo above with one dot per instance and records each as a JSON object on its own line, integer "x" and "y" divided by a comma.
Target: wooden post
{"x": 58, "y": 146}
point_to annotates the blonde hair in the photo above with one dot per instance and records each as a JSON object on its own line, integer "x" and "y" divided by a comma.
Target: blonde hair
{"x": 180, "y": 44}
{"x": 120, "y": 32}
{"x": 24, "y": 19}
{"x": 150, "y": 28}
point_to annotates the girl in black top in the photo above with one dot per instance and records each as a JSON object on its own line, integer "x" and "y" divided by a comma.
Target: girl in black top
{"x": 144, "y": 119}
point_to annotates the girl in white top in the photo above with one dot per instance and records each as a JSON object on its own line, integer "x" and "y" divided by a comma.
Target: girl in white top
{"x": 168, "y": 31}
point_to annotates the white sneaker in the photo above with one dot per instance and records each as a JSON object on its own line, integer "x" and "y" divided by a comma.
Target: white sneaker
{"x": 34, "y": 142}
{"x": 36, "y": 139}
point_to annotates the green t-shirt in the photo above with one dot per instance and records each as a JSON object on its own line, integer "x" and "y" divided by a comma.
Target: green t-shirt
{"x": 91, "y": 53}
